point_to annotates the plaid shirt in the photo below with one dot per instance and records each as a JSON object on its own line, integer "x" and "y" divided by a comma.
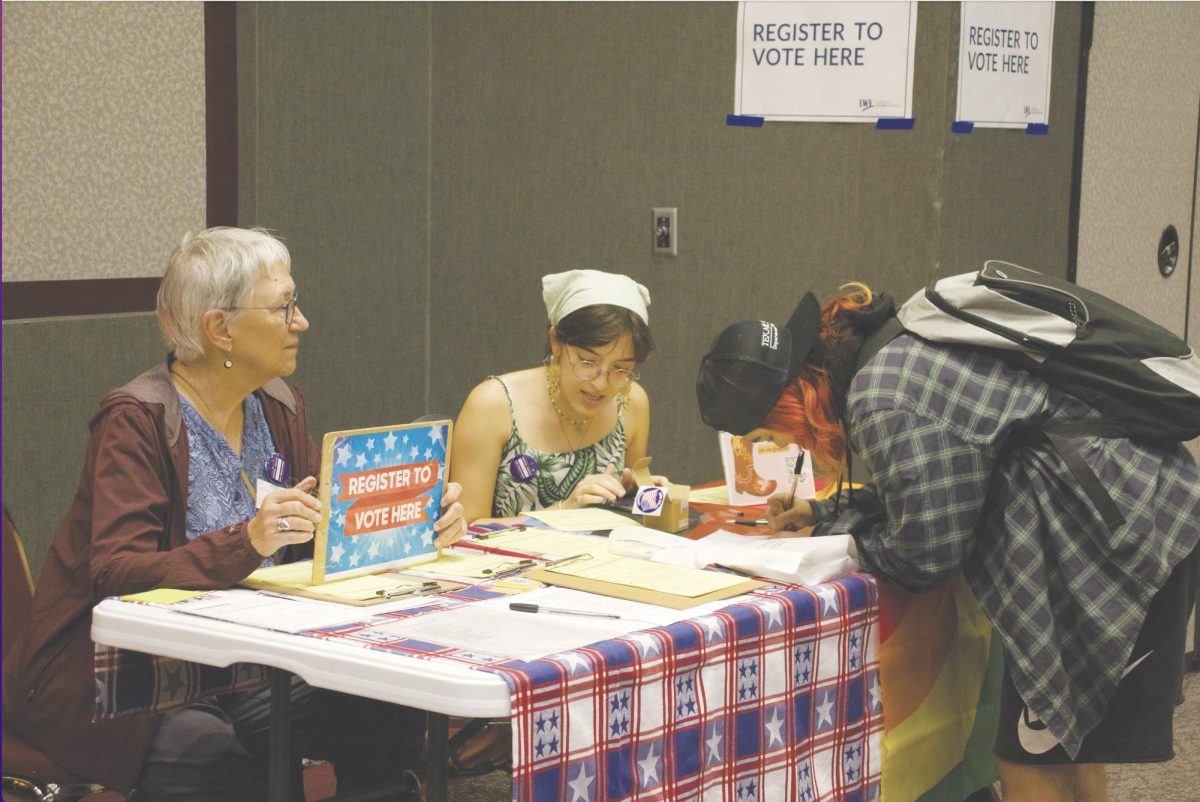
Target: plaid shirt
{"x": 1066, "y": 596}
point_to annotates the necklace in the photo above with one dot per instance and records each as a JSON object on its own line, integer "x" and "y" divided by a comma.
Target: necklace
{"x": 553, "y": 388}
{"x": 206, "y": 412}
{"x": 194, "y": 395}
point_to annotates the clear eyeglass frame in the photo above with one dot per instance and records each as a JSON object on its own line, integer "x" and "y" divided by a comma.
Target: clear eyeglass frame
{"x": 587, "y": 370}
{"x": 289, "y": 309}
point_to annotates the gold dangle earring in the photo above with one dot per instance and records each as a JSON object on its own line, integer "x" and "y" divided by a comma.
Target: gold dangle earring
{"x": 553, "y": 379}
{"x": 229, "y": 359}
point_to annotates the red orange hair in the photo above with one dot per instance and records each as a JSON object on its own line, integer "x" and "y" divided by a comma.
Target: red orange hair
{"x": 806, "y": 409}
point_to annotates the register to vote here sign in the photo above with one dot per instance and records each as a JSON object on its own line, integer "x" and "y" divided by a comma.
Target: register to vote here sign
{"x": 381, "y": 491}
{"x": 825, "y": 62}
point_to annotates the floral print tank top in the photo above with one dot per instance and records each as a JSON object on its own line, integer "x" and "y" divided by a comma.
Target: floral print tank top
{"x": 557, "y": 474}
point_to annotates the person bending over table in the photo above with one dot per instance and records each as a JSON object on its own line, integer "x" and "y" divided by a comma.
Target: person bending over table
{"x": 559, "y": 436}
{"x": 167, "y": 500}
{"x": 1092, "y": 622}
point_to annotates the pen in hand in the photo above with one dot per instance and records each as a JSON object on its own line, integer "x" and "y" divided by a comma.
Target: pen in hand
{"x": 796, "y": 479}
{"x": 526, "y": 607}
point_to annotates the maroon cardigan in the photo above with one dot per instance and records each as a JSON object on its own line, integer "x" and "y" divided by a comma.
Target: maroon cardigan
{"x": 125, "y": 533}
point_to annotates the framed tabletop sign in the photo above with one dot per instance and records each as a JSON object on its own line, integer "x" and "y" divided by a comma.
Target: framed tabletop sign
{"x": 381, "y": 492}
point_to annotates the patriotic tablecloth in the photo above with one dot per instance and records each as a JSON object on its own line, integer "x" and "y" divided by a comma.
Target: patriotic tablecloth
{"x": 776, "y": 697}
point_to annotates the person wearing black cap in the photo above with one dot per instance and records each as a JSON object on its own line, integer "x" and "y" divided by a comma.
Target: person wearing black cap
{"x": 1092, "y": 621}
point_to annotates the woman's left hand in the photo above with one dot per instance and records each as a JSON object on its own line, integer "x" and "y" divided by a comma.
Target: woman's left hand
{"x": 631, "y": 484}
{"x": 452, "y": 525}
{"x": 599, "y": 488}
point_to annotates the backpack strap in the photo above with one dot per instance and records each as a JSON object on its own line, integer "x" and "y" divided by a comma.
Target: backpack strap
{"x": 871, "y": 345}
{"x": 1059, "y": 436}
{"x": 873, "y": 342}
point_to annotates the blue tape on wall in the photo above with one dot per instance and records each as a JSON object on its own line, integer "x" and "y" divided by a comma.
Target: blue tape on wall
{"x": 895, "y": 123}
{"x": 743, "y": 120}
{"x": 962, "y": 127}
{"x": 1037, "y": 129}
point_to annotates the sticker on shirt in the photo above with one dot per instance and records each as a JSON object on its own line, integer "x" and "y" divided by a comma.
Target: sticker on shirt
{"x": 523, "y": 468}
{"x": 649, "y": 500}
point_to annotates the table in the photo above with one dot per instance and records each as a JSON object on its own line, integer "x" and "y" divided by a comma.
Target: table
{"x": 444, "y": 689}
{"x": 778, "y": 693}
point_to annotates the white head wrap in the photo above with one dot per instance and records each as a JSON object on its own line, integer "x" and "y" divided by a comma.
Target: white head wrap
{"x": 575, "y": 289}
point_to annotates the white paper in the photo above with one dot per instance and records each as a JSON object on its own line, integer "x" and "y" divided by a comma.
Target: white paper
{"x": 491, "y": 627}
{"x": 800, "y": 560}
{"x": 284, "y": 613}
{"x": 803, "y": 560}
{"x": 1004, "y": 56}
{"x": 825, "y": 62}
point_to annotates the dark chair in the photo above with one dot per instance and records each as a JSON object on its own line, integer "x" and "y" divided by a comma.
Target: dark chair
{"x": 28, "y": 773}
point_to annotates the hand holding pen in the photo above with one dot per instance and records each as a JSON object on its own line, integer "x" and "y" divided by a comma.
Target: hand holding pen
{"x": 784, "y": 513}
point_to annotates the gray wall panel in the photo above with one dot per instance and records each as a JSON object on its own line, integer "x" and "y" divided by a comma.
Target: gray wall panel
{"x": 1007, "y": 195}
{"x": 336, "y": 160}
{"x": 55, "y": 370}
{"x": 557, "y": 127}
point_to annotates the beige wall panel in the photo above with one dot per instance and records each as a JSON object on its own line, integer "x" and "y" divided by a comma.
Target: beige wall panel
{"x": 103, "y": 137}
{"x": 1139, "y": 153}
{"x": 1193, "y": 264}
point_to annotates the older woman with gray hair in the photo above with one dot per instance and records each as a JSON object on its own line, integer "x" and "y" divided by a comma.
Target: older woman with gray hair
{"x": 167, "y": 498}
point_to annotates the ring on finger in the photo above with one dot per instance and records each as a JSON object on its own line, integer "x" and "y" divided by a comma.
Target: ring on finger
{"x": 282, "y": 525}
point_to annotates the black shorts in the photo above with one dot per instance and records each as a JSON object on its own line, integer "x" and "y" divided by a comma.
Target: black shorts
{"x": 1137, "y": 727}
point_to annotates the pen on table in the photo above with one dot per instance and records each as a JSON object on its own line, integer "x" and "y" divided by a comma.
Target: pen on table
{"x": 574, "y": 558}
{"x": 526, "y": 607}
{"x": 513, "y": 568}
{"x": 412, "y": 590}
{"x": 497, "y": 532}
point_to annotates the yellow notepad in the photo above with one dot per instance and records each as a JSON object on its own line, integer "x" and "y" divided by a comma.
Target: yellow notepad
{"x": 162, "y": 596}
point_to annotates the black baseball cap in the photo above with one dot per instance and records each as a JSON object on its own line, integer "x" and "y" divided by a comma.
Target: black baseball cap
{"x": 744, "y": 372}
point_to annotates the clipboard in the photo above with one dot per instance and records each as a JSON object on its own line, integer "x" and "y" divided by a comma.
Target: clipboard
{"x": 631, "y": 593}
{"x": 381, "y": 492}
{"x": 291, "y": 580}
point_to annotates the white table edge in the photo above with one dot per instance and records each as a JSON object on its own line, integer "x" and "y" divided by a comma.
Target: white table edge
{"x": 439, "y": 686}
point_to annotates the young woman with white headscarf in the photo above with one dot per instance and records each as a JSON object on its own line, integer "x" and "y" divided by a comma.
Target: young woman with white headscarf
{"x": 561, "y": 435}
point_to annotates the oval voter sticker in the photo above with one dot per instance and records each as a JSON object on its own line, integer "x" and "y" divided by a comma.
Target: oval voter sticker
{"x": 523, "y": 467}
{"x": 649, "y": 500}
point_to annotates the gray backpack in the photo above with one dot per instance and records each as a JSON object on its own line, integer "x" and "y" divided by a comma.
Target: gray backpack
{"x": 1144, "y": 380}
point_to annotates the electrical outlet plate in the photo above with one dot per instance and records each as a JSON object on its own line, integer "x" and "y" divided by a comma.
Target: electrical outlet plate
{"x": 665, "y": 231}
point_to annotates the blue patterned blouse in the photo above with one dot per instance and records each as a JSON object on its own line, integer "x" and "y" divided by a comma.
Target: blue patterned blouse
{"x": 217, "y": 496}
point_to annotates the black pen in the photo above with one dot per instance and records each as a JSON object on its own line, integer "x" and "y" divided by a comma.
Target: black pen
{"x": 526, "y": 607}
{"x": 796, "y": 478}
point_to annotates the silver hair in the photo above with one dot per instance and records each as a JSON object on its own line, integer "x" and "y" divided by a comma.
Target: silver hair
{"x": 215, "y": 269}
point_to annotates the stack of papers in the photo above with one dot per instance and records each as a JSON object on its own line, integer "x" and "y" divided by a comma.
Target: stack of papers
{"x": 797, "y": 560}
